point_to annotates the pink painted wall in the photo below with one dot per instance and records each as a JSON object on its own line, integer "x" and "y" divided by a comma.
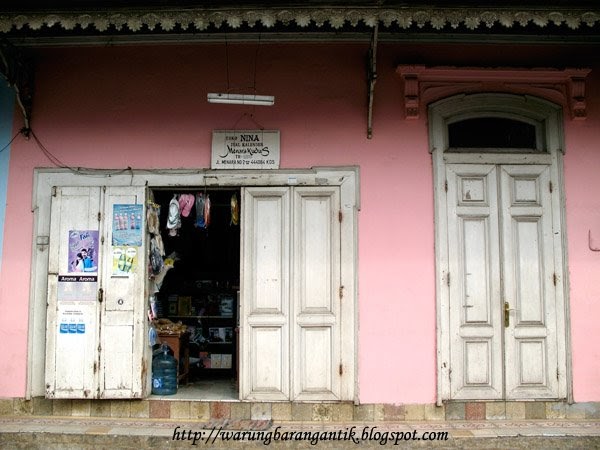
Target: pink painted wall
{"x": 146, "y": 108}
{"x": 582, "y": 183}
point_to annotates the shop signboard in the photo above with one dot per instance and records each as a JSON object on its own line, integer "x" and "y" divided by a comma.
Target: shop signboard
{"x": 245, "y": 149}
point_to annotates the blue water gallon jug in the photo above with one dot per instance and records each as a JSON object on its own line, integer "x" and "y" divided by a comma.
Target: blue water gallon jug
{"x": 164, "y": 373}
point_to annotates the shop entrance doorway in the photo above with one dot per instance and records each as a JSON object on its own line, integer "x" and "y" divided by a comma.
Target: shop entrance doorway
{"x": 197, "y": 289}
{"x": 268, "y": 304}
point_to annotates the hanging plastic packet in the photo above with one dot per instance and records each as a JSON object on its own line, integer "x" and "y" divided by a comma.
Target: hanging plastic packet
{"x": 206, "y": 211}
{"x": 156, "y": 260}
{"x": 174, "y": 219}
{"x": 159, "y": 244}
{"x": 152, "y": 214}
{"x": 199, "y": 210}
{"x": 153, "y": 307}
{"x": 235, "y": 210}
{"x": 152, "y": 336}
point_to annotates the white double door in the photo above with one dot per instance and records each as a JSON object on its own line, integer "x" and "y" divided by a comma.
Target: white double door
{"x": 291, "y": 316}
{"x": 505, "y": 324}
{"x": 96, "y": 341}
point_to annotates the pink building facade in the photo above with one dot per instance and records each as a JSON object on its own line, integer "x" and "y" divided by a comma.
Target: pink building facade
{"x": 143, "y": 108}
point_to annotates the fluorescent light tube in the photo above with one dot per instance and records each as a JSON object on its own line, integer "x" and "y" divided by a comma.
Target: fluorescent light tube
{"x": 241, "y": 99}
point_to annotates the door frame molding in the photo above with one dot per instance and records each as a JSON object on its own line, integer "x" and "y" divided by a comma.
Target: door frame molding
{"x": 548, "y": 117}
{"x": 346, "y": 177}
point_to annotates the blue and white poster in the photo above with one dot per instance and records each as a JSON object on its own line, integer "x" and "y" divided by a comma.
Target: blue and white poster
{"x": 127, "y": 225}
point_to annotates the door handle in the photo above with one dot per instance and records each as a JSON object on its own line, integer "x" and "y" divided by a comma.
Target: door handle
{"x": 507, "y": 310}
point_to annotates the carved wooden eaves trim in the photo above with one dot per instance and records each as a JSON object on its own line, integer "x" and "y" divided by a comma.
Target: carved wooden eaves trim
{"x": 200, "y": 19}
{"x": 423, "y": 85}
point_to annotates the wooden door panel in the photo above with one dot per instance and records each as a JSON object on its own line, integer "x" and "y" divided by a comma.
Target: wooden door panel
{"x": 72, "y": 323}
{"x": 528, "y": 261}
{"x": 123, "y": 336}
{"x": 265, "y": 367}
{"x": 315, "y": 293}
{"x": 475, "y": 328}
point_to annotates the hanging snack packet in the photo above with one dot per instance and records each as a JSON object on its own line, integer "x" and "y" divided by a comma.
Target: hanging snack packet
{"x": 174, "y": 219}
{"x": 235, "y": 210}
{"x": 199, "y": 210}
{"x": 206, "y": 211}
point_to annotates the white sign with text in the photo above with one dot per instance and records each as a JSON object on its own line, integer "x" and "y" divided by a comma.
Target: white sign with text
{"x": 245, "y": 149}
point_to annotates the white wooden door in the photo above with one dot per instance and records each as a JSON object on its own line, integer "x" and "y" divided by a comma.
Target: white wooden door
{"x": 290, "y": 312}
{"x": 530, "y": 326}
{"x": 71, "y": 356}
{"x": 315, "y": 320}
{"x": 265, "y": 296}
{"x": 123, "y": 362}
{"x": 96, "y": 319}
{"x": 475, "y": 293}
{"x": 503, "y": 321}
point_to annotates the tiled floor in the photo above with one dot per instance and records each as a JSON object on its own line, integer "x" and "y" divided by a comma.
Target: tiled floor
{"x": 222, "y": 390}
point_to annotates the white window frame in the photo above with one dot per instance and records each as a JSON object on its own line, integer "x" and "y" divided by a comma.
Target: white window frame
{"x": 347, "y": 178}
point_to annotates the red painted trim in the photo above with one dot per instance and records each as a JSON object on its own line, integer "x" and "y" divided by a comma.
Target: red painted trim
{"x": 423, "y": 85}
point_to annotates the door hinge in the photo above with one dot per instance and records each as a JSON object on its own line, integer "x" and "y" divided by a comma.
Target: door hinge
{"x": 554, "y": 278}
{"x": 448, "y": 279}
{"x": 99, "y": 216}
{"x": 54, "y": 191}
{"x": 551, "y": 187}
{"x": 340, "y": 215}
{"x": 341, "y": 292}
{"x": 341, "y": 370}
{"x": 557, "y": 374}
{"x": 446, "y": 186}
{"x": 100, "y": 295}
{"x": 102, "y": 240}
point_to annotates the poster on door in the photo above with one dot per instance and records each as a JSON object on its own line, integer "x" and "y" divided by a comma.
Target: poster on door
{"x": 125, "y": 260}
{"x": 77, "y": 288}
{"x": 73, "y": 319}
{"x": 127, "y": 225}
{"x": 83, "y": 251}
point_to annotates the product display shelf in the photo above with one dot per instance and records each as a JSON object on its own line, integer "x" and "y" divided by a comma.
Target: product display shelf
{"x": 215, "y": 352}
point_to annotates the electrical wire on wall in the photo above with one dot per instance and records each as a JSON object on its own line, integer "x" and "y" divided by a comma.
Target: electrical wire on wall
{"x": 58, "y": 163}
{"x": 90, "y": 171}
{"x": 10, "y": 142}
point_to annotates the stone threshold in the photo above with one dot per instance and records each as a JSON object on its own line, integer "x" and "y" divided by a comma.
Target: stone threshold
{"x": 300, "y": 412}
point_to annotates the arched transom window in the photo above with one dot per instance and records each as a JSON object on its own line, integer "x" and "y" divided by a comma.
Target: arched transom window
{"x": 495, "y": 123}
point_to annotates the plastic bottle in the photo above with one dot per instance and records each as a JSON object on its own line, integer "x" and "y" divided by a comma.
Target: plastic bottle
{"x": 164, "y": 373}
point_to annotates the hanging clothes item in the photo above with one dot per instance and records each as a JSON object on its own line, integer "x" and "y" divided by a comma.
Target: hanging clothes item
{"x": 235, "y": 210}
{"x": 206, "y": 211}
{"x": 199, "y": 210}
{"x": 174, "y": 219}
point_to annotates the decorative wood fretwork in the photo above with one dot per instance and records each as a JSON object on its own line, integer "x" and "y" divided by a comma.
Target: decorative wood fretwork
{"x": 200, "y": 19}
